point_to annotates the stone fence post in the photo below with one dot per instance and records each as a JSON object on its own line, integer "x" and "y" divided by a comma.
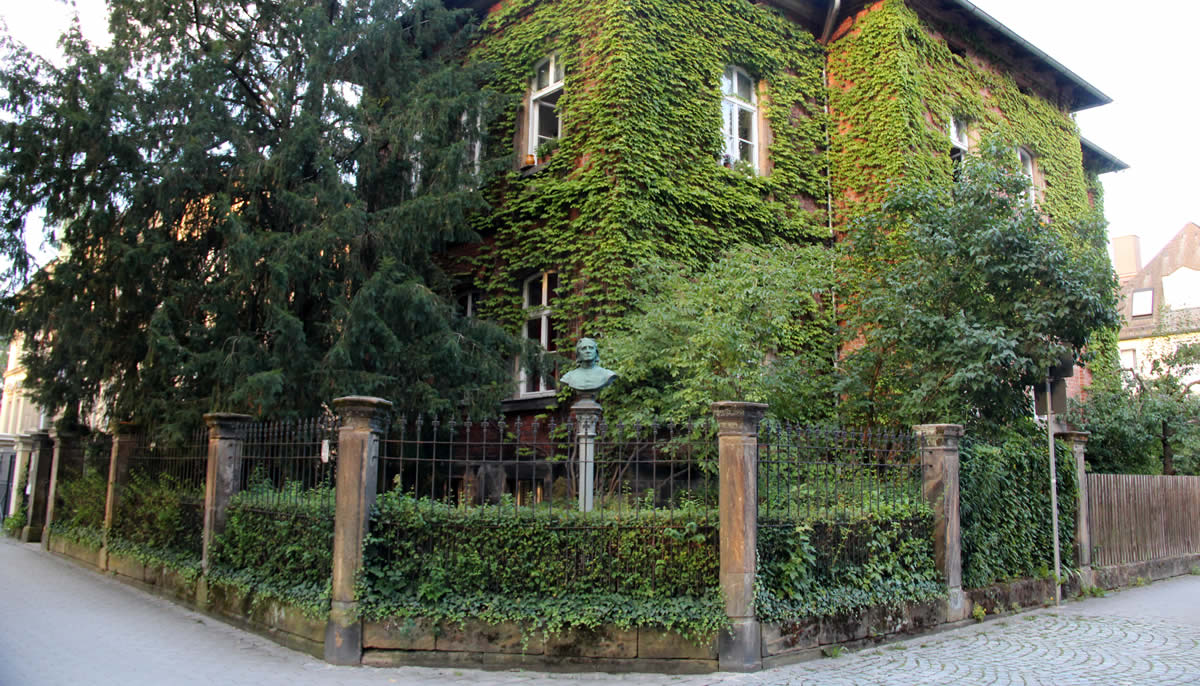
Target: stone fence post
{"x": 226, "y": 434}
{"x": 740, "y": 648}
{"x": 67, "y": 462}
{"x": 41, "y": 459}
{"x": 939, "y": 460}
{"x": 1083, "y": 532}
{"x": 124, "y": 444}
{"x": 364, "y": 422}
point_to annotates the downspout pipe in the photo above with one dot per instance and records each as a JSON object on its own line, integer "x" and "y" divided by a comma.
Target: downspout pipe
{"x": 830, "y": 18}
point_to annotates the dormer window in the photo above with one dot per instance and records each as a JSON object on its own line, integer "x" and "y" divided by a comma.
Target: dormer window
{"x": 545, "y": 90}
{"x": 739, "y": 112}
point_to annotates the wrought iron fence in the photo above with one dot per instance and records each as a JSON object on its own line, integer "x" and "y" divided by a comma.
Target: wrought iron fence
{"x": 812, "y": 473}
{"x": 82, "y": 483}
{"x": 633, "y": 469}
{"x": 161, "y": 500}
{"x": 834, "y": 508}
{"x": 511, "y": 497}
{"x": 289, "y": 465}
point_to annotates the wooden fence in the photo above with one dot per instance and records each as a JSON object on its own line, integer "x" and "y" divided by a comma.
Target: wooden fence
{"x": 1136, "y": 518}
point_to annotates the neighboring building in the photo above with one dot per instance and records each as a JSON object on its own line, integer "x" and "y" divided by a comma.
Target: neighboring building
{"x": 678, "y": 128}
{"x": 1160, "y": 301}
{"x": 19, "y": 416}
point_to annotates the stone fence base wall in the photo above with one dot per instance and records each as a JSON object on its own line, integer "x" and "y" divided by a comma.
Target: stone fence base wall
{"x": 1117, "y": 576}
{"x": 502, "y": 646}
{"x": 609, "y": 649}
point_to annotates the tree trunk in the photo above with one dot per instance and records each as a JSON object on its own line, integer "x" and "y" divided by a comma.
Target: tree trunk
{"x": 1167, "y": 457}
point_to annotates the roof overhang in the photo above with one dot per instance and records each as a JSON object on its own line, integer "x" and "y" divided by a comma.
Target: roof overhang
{"x": 1023, "y": 55}
{"x": 1098, "y": 159}
{"x": 1085, "y": 95}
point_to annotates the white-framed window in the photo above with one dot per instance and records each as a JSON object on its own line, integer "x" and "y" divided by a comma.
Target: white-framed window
{"x": 468, "y": 302}
{"x": 545, "y": 90}
{"x": 959, "y": 138}
{"x": 1025, "y": 158}
{"x": 1129, "y": 359}
{"x": 960, "y": 144}
{"x": 739, "y": 116}
{"x": 538, "y": 294}
{"x": 1141, "y": 302}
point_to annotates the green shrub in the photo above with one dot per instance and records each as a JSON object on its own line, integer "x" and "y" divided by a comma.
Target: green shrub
{"x": 14, "y": 524}
{"x": 159, "y": 520}
{"x": 1005, "y": 495}
{"x": 829, "y": 567}
{"x": 79, "y": 502}
{"x": 548, "y": 569}
{"x": 279, "y": 544}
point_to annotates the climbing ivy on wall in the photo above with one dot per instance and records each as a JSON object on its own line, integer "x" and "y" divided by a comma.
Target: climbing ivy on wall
{"x": 896, "y": 83}
{"x": 636, "y": 174}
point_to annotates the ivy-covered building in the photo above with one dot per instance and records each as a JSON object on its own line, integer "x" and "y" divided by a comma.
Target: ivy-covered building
{"x": 675, "y": 129}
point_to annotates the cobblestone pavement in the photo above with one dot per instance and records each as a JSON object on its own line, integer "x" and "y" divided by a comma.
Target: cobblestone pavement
{"x": 62, "y": 624}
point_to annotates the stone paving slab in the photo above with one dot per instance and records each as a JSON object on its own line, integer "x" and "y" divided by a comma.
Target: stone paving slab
{"x": 63, "y": 624}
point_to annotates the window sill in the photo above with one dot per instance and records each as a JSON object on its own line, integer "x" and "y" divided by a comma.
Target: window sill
{"x": 533, "y": 169}
{"x": 539, "y": 401}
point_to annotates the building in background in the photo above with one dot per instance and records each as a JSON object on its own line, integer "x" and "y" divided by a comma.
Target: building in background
{"x": 19, "y": 416}
{"x": 1160, "y": 300}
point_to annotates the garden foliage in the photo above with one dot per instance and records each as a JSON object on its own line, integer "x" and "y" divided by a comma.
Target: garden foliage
{"x": 282, "y": 551}
{"x": 546, "y": 569}
{"x": 831, "y": 566}
{"x": 159, "y": 520}
{"x": 1005, "y": 507}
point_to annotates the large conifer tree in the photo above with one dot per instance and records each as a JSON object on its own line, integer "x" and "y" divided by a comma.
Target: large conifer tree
{"x": 250, "y": 196}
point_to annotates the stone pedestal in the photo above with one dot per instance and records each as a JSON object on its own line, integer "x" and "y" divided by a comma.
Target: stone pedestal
{"x": 939, "y": 461}
{"x": 41, "y": 460}
{"x": 364, "y": 422}
{"x": 587, "y": 416}
{"x": 1083, "y": 532}
{"x": 740, "y": 648}
{"x": 67, "y": 464}
{"x": 226, "y": 434}
{"x": 124, "y": 444}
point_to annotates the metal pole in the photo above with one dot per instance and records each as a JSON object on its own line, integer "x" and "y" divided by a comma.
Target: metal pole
{"x": 1053, "y": 496}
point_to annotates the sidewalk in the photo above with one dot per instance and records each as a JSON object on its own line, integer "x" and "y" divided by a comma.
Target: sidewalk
{"x": 62, "y": 624}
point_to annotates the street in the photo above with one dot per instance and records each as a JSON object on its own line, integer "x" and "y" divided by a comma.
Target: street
{"x": 63, "y": 624}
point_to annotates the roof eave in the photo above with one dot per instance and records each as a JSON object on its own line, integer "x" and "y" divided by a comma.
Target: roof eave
{"x": 1089, "y": 96}
{"x": 1099, "y": 159}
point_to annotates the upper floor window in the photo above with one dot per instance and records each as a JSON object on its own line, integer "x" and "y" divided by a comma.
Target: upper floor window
{"x": 1142, "y": 303}
{"x": 960, "y": 144}
{"x": 538, "y": 295}
{"x": 546, "y": 89}
{"x": 1025, "y": 158}
{"x": 739, "y": 112}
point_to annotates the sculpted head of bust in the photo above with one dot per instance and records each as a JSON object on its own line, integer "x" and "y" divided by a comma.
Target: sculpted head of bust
{"x": 589, "y": 375}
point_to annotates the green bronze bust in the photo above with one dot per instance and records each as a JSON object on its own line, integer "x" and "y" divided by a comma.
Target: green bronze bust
{"x": 589, "y": 376}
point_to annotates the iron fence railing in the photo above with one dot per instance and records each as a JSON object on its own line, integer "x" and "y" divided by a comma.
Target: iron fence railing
{"x": 812, "y": 473}
{"x": 161, "y": 500}
{"x": 544, "y": 465}
{"x": 289, "y": 465}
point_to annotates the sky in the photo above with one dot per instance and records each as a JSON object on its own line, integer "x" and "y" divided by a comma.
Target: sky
{"x": 1142, "y": 56}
